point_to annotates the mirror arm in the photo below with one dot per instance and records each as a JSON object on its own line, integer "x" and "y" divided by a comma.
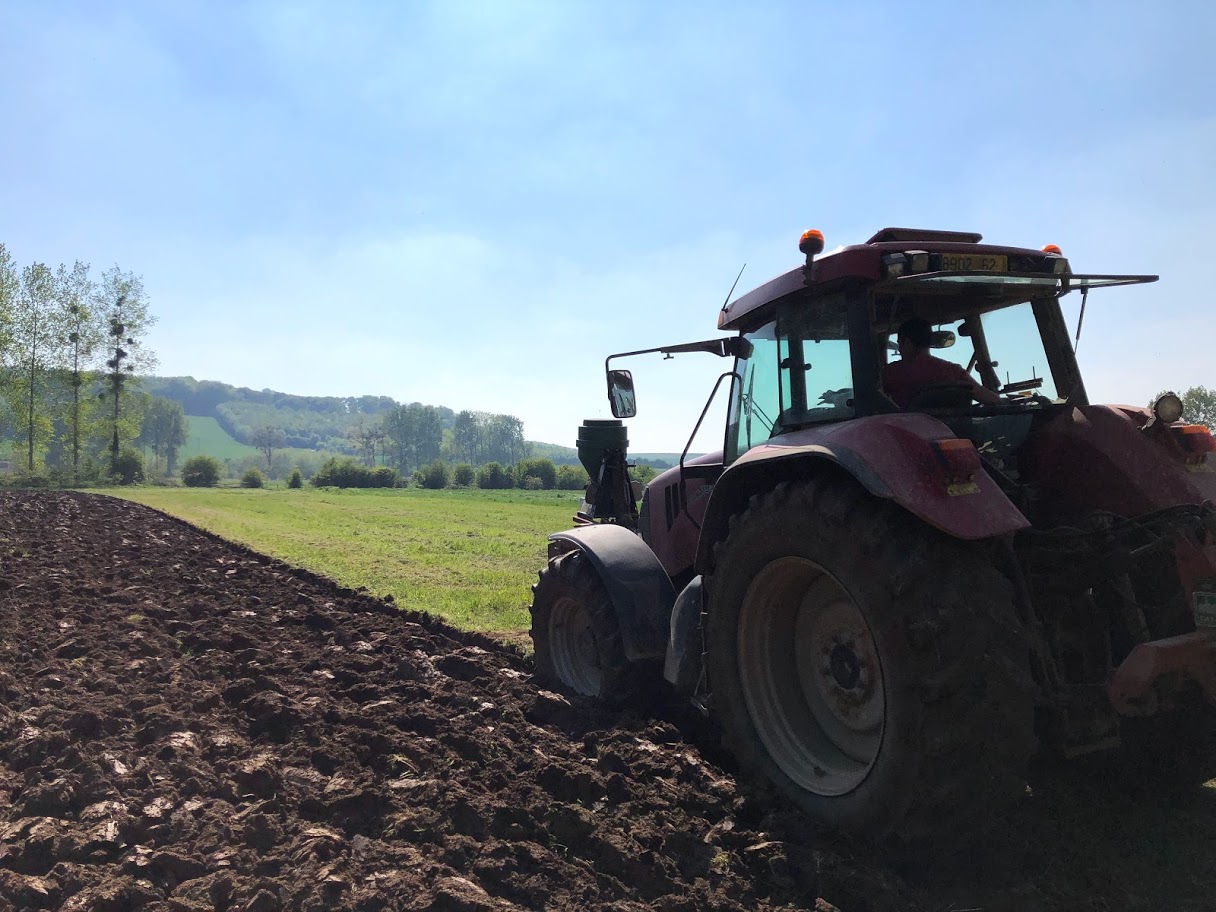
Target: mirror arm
{"x": 693, "y": 436}
{"x": 720, "y": 347}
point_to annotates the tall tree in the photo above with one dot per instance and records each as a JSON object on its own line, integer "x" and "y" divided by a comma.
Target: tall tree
{"x": 164, "y": 431}
{"x": 10, "y": 285}
{"x": 467, "y": 436}
{"x": 34, "y": 341}
{"x": 129, "y": 319}
{"x": 268, "y": 438}
{"x": 506, "y": 442}
{"x": 76, "y": 296}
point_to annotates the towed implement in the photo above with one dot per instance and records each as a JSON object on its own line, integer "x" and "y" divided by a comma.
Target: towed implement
{"x": 889, "y": 606}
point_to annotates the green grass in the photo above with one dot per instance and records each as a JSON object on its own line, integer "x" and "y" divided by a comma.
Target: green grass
{"x": 208, "y": 438}
{"x": 469, "y": 557}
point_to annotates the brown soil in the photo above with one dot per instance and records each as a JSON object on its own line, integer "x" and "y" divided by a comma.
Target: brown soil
{"x": 187, "y": 725}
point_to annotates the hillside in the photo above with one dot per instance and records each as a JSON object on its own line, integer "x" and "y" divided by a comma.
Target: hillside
{"x": 307, "y": 422}
{"x": 223, "y": 419}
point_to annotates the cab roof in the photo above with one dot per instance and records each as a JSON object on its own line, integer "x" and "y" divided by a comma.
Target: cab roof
{"x": 863, "y": 263}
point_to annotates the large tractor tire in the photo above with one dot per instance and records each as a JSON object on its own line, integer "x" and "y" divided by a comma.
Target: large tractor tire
{"x": 575, "y": 634}
{"x": 871, "y": 668}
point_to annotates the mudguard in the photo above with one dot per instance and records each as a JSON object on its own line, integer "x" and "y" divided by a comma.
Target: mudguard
{"x": 890, "y": 455}
{"x": 682, "y": 667}
{"x": 641, "y": 592}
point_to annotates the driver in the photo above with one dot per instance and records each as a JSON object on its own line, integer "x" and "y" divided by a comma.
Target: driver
{"x": 905, "y": 379}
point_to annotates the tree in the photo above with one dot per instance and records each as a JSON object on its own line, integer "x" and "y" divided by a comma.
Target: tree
{"x": 128, "y": 319}
{"x": 505, "y": 439}
{"x": 414, "y": 434}
{"x": 85, "y": 336}
{"x": 34, "y": 341}
{"x": 268, "y": 439}
{"x": 10, "y": 283}
{"x": 467, "y": 436}
{"x": 163, "y": 430}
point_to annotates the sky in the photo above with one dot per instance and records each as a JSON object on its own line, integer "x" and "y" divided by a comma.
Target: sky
{"x": 471, "y": 204}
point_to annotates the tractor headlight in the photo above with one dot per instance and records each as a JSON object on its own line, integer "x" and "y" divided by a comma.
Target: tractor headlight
{"x": 1168, "y": 408}
{"x": 894, "y": 265}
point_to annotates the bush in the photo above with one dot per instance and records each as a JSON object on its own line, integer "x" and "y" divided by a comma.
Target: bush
{"x": 382, "y": 477}
{"x": 252, "y": 479}
{"x": 463, "y": 475}
{"x": 340, "y": 473}
{"x": 435, "y": 476}
{"x": 540, "y": 468}
{"x": 201, "y": 472}
{"x": 295, "y": 479}
{"x": 643, "y": 473}
{"x": 129, "y": 467}
{"x": 572, "y": 478}
{"x": 493, "y": 476}
{"x": 348, "y": 473}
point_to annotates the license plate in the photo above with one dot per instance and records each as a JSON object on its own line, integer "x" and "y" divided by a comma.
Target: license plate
{"x": 1205, "y": 608}
{"x": 974, "y": 262}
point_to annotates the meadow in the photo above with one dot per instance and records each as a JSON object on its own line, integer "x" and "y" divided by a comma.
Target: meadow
{"x": 468, "y": 556}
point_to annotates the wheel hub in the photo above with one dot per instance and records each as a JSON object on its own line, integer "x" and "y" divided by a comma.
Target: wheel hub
{"x": 811, "y": 676}
{"x": 846, "y": 669}
{"x": 576, "y": 657}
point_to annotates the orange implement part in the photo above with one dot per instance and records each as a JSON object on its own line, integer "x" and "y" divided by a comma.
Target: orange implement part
{"x": 1192, "y": 654}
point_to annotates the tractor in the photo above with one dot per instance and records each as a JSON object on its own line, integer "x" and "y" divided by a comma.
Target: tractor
{"x": 889, "y": 608}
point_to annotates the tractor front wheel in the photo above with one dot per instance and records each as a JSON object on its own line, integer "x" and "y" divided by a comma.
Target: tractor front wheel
{"x": 870, "y": 667}
{"x": 575, "y": 634}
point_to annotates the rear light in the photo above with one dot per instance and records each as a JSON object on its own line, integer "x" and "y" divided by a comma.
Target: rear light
{"x": 1196, "y": 442}
{"x": 958, "y": 459}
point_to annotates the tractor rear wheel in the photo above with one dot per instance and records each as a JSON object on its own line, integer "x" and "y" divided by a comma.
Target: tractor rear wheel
{"x": 575, "y": 634}
{"x": 871, "y": 668}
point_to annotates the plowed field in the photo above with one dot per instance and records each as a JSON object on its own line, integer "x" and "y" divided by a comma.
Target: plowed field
{"x": 189, "y": 725}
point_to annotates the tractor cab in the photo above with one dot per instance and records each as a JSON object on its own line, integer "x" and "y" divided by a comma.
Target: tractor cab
{"x": 823, "y": 335}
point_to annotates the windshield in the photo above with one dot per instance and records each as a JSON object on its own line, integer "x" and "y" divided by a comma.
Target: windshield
{"x": 798, "y": 373}
{"x": 1016, "y": 350}
{"x": 1001, "y": 349}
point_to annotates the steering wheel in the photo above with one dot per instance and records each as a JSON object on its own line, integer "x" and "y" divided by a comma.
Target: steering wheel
{"x": 942, "y": 395}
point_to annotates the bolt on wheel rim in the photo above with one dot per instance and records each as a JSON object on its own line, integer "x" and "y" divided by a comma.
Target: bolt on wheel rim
{"x": 573, "y": 646}
{"x": 811, "y": 677}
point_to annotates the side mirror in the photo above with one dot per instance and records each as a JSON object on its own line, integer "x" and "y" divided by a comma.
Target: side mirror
{"x": 942, "y": 338}
{"x": 621, "y": 395}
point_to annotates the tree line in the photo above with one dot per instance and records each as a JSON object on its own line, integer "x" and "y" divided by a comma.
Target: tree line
{"x": 70, "y": 344}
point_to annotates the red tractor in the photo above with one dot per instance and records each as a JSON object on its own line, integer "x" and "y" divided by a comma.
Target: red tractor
{"x": 890, "y": 601}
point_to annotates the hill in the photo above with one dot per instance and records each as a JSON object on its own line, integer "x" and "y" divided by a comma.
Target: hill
{"x": 307, "y": 422}
{"x": 223, "y": 419}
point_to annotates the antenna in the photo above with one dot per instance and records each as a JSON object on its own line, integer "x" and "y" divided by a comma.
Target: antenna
{"x": 733, "y": 286}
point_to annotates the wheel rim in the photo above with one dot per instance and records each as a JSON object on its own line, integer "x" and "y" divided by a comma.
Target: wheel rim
{"x": 811, "y": 677}
{"x": 572, "y": 641}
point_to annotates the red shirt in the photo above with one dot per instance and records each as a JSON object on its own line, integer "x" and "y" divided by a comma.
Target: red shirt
{"x": 903, "y": 379}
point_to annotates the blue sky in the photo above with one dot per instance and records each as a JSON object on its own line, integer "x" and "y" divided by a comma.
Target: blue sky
{"x": 472, "y": 203}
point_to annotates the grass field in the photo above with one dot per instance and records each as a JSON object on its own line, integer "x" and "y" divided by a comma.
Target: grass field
{"x": 469, "y": 557}
{"x": 208, "y": 438}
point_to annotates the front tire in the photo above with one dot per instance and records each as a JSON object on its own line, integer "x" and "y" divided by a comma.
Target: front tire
{"x": 871, "y": 668}
{"x": 575, "y": 634}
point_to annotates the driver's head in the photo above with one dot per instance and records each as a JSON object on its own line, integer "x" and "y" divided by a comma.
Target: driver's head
{"x": 914, "y": 335}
